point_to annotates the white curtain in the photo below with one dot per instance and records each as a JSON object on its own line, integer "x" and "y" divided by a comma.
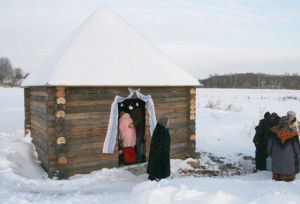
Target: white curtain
{"x": 112, "y": 130}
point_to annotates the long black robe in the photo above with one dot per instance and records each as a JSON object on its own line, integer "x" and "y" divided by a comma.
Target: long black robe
{"x": 159, "y": 156}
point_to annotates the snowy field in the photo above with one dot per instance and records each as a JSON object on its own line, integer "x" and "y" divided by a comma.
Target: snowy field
{"x": 225, "y": 126}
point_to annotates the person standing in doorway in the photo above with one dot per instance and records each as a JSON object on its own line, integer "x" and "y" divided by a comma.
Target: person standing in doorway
{"x": 137, "y": 116}
{"x": 159, "y": 155}
{"x": 127, "y": 137}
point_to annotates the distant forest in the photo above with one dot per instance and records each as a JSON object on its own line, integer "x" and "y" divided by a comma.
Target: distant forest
{"x": 252, "y": 81}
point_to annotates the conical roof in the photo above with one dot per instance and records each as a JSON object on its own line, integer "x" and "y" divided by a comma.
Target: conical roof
{"x": 106, "y": 51}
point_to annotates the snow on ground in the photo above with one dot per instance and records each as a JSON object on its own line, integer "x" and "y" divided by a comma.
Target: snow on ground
{"x": 225, "y": 129}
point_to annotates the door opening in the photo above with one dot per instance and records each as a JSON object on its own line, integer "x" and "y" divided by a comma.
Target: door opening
{"x": 131, "y": 129}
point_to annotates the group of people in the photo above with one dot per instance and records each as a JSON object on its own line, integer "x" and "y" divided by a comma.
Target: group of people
{"x": 131, "y": 131}
{"x": 278, "y": 138}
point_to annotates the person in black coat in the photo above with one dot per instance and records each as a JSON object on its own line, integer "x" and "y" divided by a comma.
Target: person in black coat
{"x": 159, "y": 156}
{"x": 261, "y": 138}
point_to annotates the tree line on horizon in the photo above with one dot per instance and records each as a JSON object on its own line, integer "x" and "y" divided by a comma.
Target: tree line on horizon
{"x": 252, "y": 81}
{"x": 10, "y": 76}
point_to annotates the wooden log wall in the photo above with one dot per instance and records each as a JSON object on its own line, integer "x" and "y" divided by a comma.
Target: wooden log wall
{"x": 174, "y": 103}
{"x": 27, "y": 121}
{"x": 87, "y": 111}
{"x": 36, "y": 121}
{"x": 69, "y": 125}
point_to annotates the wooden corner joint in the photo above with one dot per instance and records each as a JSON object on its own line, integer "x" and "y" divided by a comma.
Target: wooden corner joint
{"x": 193, "y": 137}
{"x": 62, "y": 160}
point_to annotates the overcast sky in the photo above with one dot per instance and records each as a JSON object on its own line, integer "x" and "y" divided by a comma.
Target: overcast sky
{"x": 202, "y": 36}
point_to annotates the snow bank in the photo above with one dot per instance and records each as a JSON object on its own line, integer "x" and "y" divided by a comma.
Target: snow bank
{"x": 219, "y": 131}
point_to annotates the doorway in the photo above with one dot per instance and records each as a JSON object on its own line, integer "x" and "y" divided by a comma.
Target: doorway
{"x": 136, "y": 109}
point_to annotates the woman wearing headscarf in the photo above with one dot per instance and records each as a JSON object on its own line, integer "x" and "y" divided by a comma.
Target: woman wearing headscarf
{"x": 296, "y": 126}
{"x": 159, "y": 156}
{"x": 294, "y": 123}
{"x": 283, "y": 146}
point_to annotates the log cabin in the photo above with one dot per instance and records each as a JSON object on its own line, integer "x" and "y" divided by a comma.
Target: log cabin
{"x": 72, "y": 100}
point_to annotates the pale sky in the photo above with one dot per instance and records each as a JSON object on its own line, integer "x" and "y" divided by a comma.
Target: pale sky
{"x": 203, "y": 37}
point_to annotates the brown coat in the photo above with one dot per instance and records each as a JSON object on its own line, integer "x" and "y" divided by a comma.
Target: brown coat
{"x": 138, "y": 120}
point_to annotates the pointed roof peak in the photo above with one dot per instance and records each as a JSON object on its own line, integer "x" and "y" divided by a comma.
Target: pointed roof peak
{"x": 105, "y": 51}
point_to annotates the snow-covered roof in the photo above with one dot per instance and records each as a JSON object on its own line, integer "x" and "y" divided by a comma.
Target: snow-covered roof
{"x": 106, "y": 51}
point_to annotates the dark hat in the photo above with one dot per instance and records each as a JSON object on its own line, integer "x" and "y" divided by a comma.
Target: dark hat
{"x": 267, "y": 115}
{"x": 274, "y": 115}
{"x": 284, "y": 121}
{"x": 163, "y": 121}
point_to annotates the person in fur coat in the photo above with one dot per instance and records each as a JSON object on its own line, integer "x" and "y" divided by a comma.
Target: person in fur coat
{"x": 159, "y": 155}
{"x": 283, "y": 146}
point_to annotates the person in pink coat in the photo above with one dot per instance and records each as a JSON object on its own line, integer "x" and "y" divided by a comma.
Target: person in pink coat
{"x": 126, "y": 135}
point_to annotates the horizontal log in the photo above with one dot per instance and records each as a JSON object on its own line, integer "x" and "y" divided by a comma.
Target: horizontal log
{"x": 88, "y": 109}
{"x": 86, "y": 136}
{"x": 170, "y": 100}
{"x": 38, "y": 98}
{"x": 83, "y": 116}
{"x": 91, "y": 166}
{"x": 38, "y": 109}
{"x": 178, "y": 146}
{"x": 89, "y": 103}
{"x": 38, "y": 93}
{"x": 178, "y": 140}
{"x": 38, "y": 88}
{"x": 90, "y": 158}
{"x": 114, "y": 90}
{"x": 42, "y": 146}
{"x": 82, "y": 141}
{"x": 181, "y": 155}
{"x": 86, "y": 152}
{"x": 170, "y": 110}
{"x": 170, "y": 105}
{"x": 36, "y": 132}
{"x": 39, "y": 104}
{"x": 90, "y": 96}
{"x": 43, "y": 156}
{"x": 39, "y": 124}
{"x": 183, "y": 149}
{"x": 79, "y": 147}
{"x": 84, "y": 159}
{"x": 103, "y": 122}
{"x": 38, "y": 116}
{"x": 149, "y": 90}
{"x": 177, "y": 125}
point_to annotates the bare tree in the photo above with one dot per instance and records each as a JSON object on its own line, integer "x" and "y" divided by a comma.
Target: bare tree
{"x": 17, "y": 77}
{"x": 6, "y": 70}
